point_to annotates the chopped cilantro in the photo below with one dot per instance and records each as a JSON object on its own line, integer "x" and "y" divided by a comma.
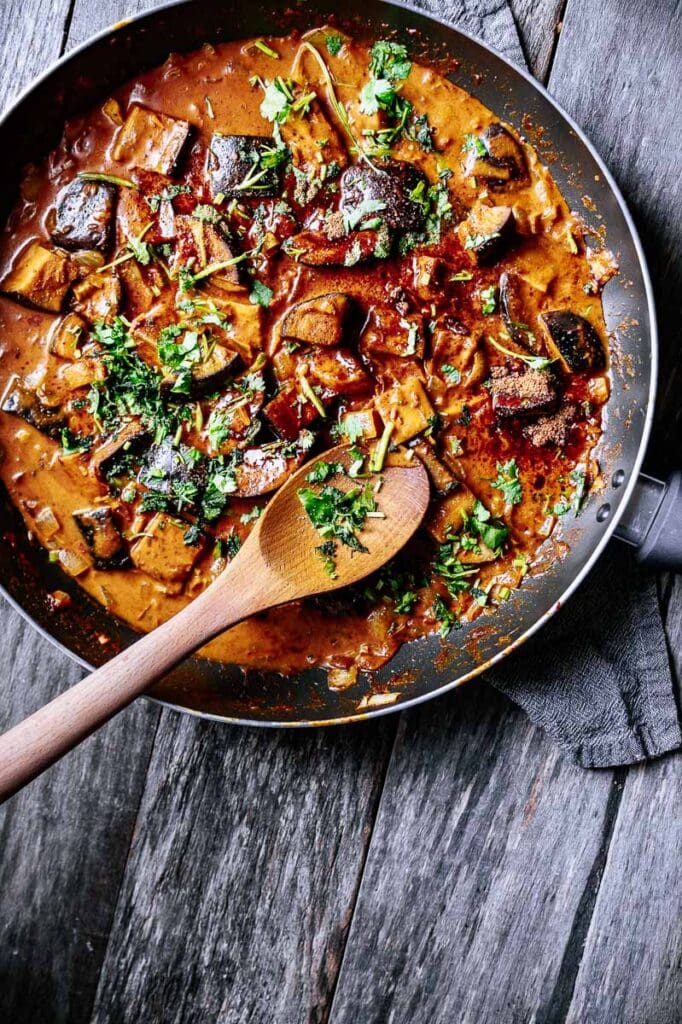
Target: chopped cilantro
{"x": 339, "y": 514}
{"x": 507, "y": 481}
{"x": 333, "y": 43}
{"x": 488, "y": 298}
{"x": 322, "y": 471}
{"x": 451, "y": 372}
{"x": 260, "y": 294}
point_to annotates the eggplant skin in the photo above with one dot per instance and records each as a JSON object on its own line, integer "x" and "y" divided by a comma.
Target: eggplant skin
{"x": 20, "y": 399}
{"x": 166, "y": 465}
{"x": 391, "y": 184}
{"x": 231, "y": 157}
{"x": 574, "y": 341}
{"x": 103, "y": 537}
{"x": 84, "y": 215}
{"x": 503, "y": 163}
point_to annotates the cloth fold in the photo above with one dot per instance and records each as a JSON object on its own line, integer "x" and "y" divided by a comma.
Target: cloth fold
{"x": 597, "y": 677}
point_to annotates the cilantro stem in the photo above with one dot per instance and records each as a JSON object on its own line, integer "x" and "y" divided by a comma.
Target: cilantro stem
{"x": 267, "y": 50}
{"x": 213, "y": 268}
{"x": 309, "y": 393}
{"x": 376, "y": 463}
{"x": 535, "y": 362}
{"x": 112, "y": 179}
{"x": 332, "y": 98}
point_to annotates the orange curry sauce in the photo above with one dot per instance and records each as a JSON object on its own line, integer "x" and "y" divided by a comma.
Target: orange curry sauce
{"x": 452, "y": 310}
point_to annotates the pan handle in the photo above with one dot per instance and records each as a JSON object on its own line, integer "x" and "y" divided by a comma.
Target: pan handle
{"x": 652, "y": 522}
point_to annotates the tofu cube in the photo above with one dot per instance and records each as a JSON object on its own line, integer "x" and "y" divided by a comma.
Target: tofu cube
{"x": 150, "y": 140}
{"x": 41, "y": 277}
{"x": 406, "y": 405}
{"x": 162, "y": 553}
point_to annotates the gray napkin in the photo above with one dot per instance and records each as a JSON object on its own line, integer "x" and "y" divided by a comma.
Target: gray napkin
{"x": 597, "y": 678}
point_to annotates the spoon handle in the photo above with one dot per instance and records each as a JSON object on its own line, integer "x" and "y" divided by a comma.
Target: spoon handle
{"x": 33, "y": 745}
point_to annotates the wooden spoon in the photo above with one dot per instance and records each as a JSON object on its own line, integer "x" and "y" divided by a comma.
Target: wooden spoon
{"x": 278, "y": 563}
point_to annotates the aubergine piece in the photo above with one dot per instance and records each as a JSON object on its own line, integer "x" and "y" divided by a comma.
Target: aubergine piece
{"x": 102, "y": 536}
{"x": 20, "y": 399}
{"x": 166, "y": 466}
{"x": 393, "y": 185}
{"x": 522, "y": 391}
{"x": 40, "y": 277}
{"x": 163, "y": 553}
{"x": 210, "y": 374}
{"x": 150, "y": 140}
{"x": 318, "y": 321}
{"x": 263, "y": 470}
{"x": 235, "y": 159}
{"x": 442, "y": 478}
{"x": 84, "y": 215}
{"x": 488, "y": 232}
{"x": 503, "y": 162}
{"x": 130, "y": 437}
{"x": 316, "y": 249}
{"x": 573, "y": 340}
{"x": 288, "y": 413}
{"x": 516, "y": 301}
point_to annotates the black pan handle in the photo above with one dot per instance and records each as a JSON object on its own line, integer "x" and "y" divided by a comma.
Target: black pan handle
{"x": 652, "y": 522}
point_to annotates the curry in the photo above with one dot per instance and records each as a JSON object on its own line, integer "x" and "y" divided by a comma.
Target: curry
{"x": 260, "y": 250}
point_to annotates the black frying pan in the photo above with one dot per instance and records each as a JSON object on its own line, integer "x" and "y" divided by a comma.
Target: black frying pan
{"x": 644, "y": 512}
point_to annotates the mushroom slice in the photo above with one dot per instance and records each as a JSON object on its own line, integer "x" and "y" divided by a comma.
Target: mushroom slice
{"x": 573, "y": 340}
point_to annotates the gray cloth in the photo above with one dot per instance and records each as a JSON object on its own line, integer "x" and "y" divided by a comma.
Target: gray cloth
{"x": 597, "y": 678}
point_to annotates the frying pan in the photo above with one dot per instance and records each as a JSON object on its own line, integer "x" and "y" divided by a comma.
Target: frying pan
{"x": 644, "y": 512}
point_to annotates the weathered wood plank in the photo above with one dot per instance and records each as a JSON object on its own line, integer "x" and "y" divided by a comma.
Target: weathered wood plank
{"x": 243, "y": 874}
{"x": 90, "y": 18}
{"x": 538, "y": 23}
{"x": 631, "y": 965}
{"x": 484, "y": 845}
{"x": 65, "y": 839}
{"x": 30, "y": 41}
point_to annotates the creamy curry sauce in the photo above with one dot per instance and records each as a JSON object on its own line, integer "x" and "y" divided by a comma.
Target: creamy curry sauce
{"x": 460, "y": 323}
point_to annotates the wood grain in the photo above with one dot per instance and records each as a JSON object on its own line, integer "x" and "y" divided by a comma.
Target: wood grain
{"x": 539, "y": 24}
{"x": 242, "y": 875}
{"x": 630, "y": 970}
{"x": 64, "y": 843}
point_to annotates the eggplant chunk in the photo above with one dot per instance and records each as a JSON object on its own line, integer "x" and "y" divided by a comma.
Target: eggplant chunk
{"x": 150, "y": 140}
{"x": 102, "y": 536}
{"x": 59, "y": 388}
{"x": 66, "y": 336}
{"x": 448, "y": 516}
{"x": 84, "y": 215}
{"x": 337, "y": 372}
{"x": 315, "y": 249}
{"x": 208, "y": 375}
{"x": 166, "y": 466}
{"x": 205, "y": 244}
{"x": 97, "y": 297}
{"x": 20, "y": 399}
{"x": 235, "y": 159}
{"x": 488, "y": 233}
{"x": 126, "y": 438}
{"x": 503, "y": 162}
{"x": 385, "y": 193}
{"x": 518, "y": 301}
{"x": 573, "y": 340}
{"x": 522, "y": 392}
{"x": 388, "y": 332}
{"x": 318, "y": 321}
{"x": 442, "y": 478}
{"x": 40, "y": 277}
{"x": 288, "y": 413}
{"x": 161, "y": 551}
{"x": 407, "y": 408}
{"x": 263, "y": 470}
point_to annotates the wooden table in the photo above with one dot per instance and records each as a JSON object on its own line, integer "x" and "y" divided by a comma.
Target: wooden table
{"x": 441, "y": 866}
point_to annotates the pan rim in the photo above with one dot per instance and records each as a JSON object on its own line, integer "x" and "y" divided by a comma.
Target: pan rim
{"x": 608, "y": 529}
